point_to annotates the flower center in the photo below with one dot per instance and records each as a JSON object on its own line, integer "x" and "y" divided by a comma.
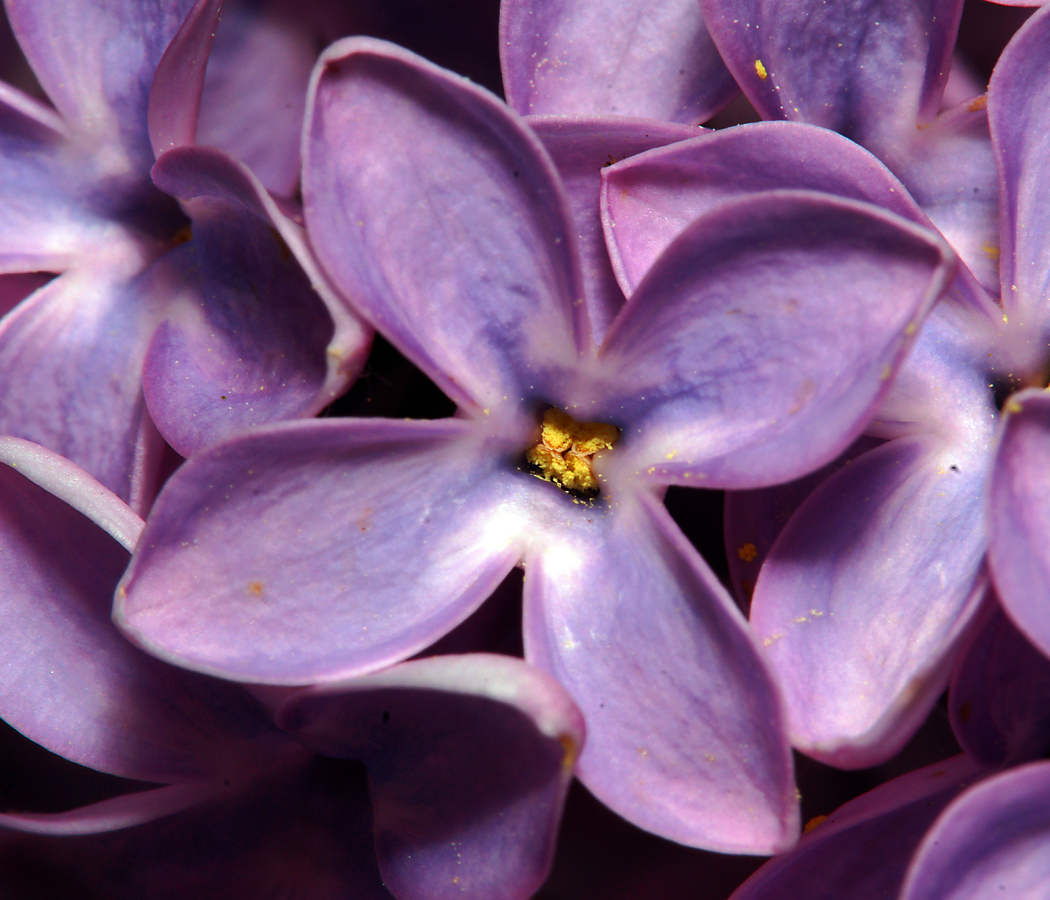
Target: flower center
{"x": 566, "y": 451}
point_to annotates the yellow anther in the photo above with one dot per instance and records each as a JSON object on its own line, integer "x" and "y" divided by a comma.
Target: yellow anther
{"x": 567, "y": 448}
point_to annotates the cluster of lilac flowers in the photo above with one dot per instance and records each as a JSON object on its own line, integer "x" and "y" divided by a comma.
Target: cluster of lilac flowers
{"x": 262, "y": 625}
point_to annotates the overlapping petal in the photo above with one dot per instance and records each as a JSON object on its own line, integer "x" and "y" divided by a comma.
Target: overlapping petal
{"x": 468, "y": 757}
{"x": 581, "y": 147}
{"x": 1019, "y": 117}
{"x": 637, "y": 58}
{"x": 1019, "y": 515}
{"x": 244, "y": 336}
{"x": 991, "y": 842}
{"x": 684, "y": 729}
{"x": 1000, "y": 695}
{"x": 96, "y": 63}
{"x": 867, "y": 70}
{"x": 757, "y": 346}
{"x": 368, "y": 539}
{"x": 440, "y": 216}
{"x": 866, "y": 591}
{"x": 74, "y": 684}
{"x": 862, "y": 849}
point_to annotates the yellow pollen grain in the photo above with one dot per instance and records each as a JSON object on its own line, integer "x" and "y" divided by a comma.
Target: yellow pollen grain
{"x": 747, "y": 552}
{"x": 566, "y": 450}
{"x": 813, "y": 823}
{"x": 991, "y": 250}
{"x": 760, "y": 70}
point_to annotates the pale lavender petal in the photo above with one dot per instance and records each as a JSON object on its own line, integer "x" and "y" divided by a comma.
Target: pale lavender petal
{"x": 439, "y": 215}
{"x": 651, "y": 199}
{"x": 581, "y": 148}
{"x": 753, "y": 519}
{"x": 1000, "y": 695}
{"x": 637, "y": 58}
{"x": 125, "y": 811}
{"x": 317, "y": 550}
{"x": 243, "y": 341}
{"x": 1019, "y": 117}
{"x": 868, "y": 71}
{"x": 684, "y": 729}
{"x": 96, "y": 62}
{"x": 1019, "y": 515}
{"x": 175, "y": 96}
{"x": 758, "y": 345}
{"x": 861, "y": 850}
{"x": 255, "y": 93}
{"x": 950, "y": 170}
{"x": 302, "y": 832}
{"x": 73, "y": 683}
{"x": 43, "y": 226}
{"x": 72, "y": 355}
{"x": 993, "y": 841}
{"x": 469, "y": 759}
{"x": 867, "y": 591}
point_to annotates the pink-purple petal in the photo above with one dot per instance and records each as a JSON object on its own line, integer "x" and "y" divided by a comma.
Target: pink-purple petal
{"x": 993, "y": 841}
{"x": 999, "y": 698}
{"x": 1018, "y": 105}
{"x": 469, "y": 759}
{"x": 439, "y": 215}
{"x": 861, "y": 850}
{"x": 866, "y": 593}
{"x": 74, "y": 684}
{"x": 316, "y": 550}
{"x": 637, "y": 58}
{"x": 869, "y": 71}
{"x": 757, "y": 346}
{"x": 1019, "y": 515}
{"x": 684, "y": 728}
{"x": 96, "y": 62}
{"x": 581, "y": 147}
{"x": 175, "y": 96}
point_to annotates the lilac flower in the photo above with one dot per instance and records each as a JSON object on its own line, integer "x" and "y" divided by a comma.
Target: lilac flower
{"x": 753, "y": 353}
{"x": 76, "y": 199}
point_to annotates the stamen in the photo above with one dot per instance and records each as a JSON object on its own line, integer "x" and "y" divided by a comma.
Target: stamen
{"x": 566, "y": 451}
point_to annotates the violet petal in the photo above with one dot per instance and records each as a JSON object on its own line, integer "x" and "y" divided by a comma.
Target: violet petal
{"x": 684, "y": 729}
{"x": 469, "y": 759}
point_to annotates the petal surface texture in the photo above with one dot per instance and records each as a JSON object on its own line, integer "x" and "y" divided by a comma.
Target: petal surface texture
{"x": 1019, "y": 515}
{"x": 441, "y": 218}
{"x": 468, "y": 757}
{"x": 315, "y": 550}
{"x": 634, "y": 58}
{"x": 991, "y": 842}
{"x": 684, "y": 729}
{"x": 757, "y": 346}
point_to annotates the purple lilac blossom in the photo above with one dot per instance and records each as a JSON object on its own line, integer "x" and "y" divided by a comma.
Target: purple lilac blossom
{"x": 439, "y": 213}
{"x": 77, "y": 200}
{"x": 828, "y": 606}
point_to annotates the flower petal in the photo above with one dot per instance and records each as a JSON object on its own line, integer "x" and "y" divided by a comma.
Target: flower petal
{"x": 869, "y": 72}
{"x": 684, "y": 729}
{"x": 96, "y": 62}
{"x": 73, "y": 683}
{"x": 862, "y": 849}
{"x": 757, "y": 346}
{"x": 317, "y": 550}
{"x": 244, "y": 340}
{"x": 301, "y": 832}
{"x": 1018, "y": 104}
{"x": 469, "y": 759}
{"x": 255, "y": 93}
{"x": 654, "y": 60}
{"x": 991, "y": 842}
{"x": 580, "y": 148}
{"x": 1019, "y": 515}
{"x": 1000, "y": 696}
{"x": 440, "y": 216}
{"x": 72, "y": 355}
{"x": 866, "y": 592}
